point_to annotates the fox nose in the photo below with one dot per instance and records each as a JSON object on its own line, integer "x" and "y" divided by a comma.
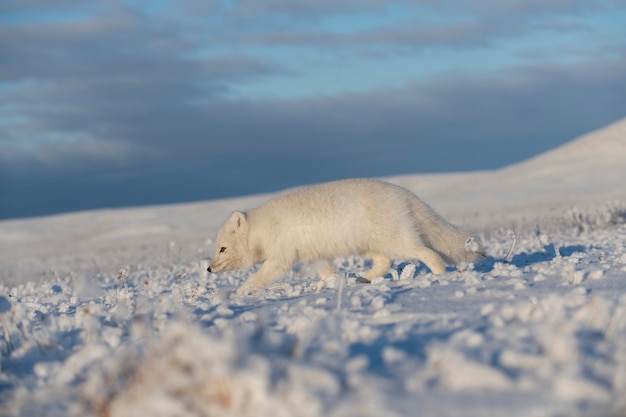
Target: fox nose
{"x": 209, "y": 269}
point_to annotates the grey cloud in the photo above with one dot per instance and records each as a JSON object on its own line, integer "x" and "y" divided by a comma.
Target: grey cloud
{"x": 108, "y": 76}
{"x": 306, "y": 9}
{"x": 415, "y": 35}
{"x": 11, "y": 6}
{"x": 224, "y": 147}
{"x": 478, "y": 23}
{"x": 115, "y": 47}
{"x": 127, "y": 112}
{"x": 538, "y": 7}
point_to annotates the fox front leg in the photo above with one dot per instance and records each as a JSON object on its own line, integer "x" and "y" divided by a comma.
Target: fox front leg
{"x": 268, "y": 272}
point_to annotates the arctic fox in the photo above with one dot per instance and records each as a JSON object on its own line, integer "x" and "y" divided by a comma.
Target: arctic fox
{"x": 359, "y": 216}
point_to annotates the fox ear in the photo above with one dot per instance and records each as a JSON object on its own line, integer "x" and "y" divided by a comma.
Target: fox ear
{"x": 238, "y": 222}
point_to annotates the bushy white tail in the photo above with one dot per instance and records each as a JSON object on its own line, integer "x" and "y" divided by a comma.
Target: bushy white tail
{"x": 444, "y": 238}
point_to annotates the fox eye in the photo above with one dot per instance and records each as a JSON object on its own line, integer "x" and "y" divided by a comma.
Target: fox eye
{"x": 222, "y": 249}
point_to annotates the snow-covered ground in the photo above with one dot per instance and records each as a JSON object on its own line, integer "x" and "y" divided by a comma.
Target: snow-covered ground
{"x": 112, "y": 313}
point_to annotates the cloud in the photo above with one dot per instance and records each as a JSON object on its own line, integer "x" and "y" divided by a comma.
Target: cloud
{"x": 305, "y": 9}
{"x": 468, "y": 112}
{"x": 112, "y": 77}
{"x": 417, "y": 34}
{"x": 113, "y": 104}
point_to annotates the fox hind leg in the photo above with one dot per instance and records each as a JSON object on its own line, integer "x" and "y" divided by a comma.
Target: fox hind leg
{"x": 325, "y": 269}
{"x": 380, "y": 265}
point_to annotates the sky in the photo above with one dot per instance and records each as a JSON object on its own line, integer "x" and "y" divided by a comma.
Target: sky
{"x": 122, "y": 103}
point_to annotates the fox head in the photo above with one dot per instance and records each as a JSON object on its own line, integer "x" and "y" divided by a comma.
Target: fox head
{"x": 231, "y": 247}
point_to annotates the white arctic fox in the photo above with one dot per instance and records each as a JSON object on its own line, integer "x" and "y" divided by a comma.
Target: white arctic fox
{"x": 360, "y": 216}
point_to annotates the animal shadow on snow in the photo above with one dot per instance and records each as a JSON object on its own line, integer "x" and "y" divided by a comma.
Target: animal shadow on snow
{"x": 520, "y": 260}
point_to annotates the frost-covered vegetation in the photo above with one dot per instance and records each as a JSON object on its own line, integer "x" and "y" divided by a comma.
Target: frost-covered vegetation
{"x": 540, "y": 328}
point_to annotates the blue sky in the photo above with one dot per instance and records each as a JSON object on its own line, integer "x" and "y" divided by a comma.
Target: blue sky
{"x": 116, "y": 103}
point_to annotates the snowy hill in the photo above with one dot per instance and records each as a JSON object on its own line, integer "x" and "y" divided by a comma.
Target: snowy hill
{"x": 586, "y": 173}
{"x": 112, "y": 313}
{"x": 577, "y": 162}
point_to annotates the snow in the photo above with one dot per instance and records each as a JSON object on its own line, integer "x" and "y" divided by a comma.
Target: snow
{"x": 112, "y": 313}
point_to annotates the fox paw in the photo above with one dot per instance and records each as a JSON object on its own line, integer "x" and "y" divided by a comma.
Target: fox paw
{"x": 245, "y": 289}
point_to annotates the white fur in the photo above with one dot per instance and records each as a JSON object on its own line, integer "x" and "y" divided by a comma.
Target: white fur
{"x": 359, "y": 216}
